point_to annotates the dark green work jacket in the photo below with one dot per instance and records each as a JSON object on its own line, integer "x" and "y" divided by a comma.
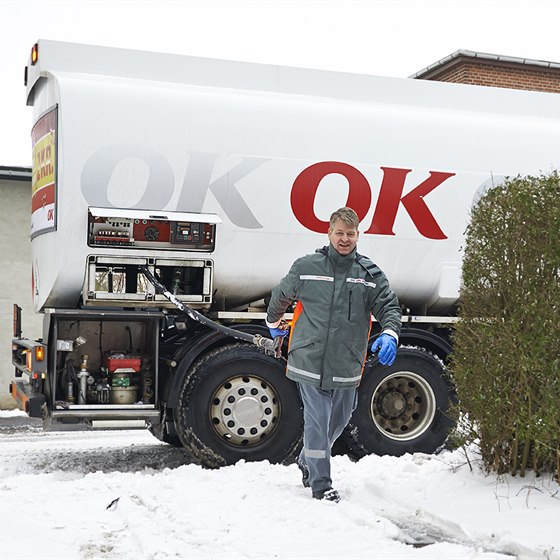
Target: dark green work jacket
{"x": 336, "y": 295}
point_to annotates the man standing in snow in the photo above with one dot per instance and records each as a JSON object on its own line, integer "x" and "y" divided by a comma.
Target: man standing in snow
{"x": 337, "y": 290}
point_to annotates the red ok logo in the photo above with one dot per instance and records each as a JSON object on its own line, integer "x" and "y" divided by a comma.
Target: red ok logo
{"x": 307, "y": 183}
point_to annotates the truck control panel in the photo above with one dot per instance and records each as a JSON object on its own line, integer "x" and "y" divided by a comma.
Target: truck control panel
{"x": 112, "y": 227}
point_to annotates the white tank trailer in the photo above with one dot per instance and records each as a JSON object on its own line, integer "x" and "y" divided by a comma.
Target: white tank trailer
{"x": 215, "y": 176}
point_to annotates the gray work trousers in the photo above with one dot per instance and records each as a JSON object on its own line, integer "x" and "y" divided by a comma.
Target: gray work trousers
{"x": 325, "y": 415}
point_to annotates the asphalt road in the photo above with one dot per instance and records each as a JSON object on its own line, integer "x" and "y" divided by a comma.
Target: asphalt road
{"x": 106, "y": 451}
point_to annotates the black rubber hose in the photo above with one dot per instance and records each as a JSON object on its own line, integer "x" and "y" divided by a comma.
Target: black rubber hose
{"x": 258, "y": 340}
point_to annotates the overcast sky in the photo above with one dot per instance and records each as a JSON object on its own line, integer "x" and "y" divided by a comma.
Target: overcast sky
{"x": 381, "y": 37}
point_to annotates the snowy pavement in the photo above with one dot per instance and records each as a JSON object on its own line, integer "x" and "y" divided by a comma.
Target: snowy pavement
{"x": 55, "y": 489}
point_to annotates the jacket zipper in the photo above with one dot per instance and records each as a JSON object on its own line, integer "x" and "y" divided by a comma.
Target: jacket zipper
{"x": 349, "y": 305}
{"x": 329, "y": 323}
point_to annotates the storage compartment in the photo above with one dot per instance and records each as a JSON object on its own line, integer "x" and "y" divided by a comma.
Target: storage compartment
{"x": 118, "y": 281}
{"x": 106, "y": 360}
{"x": 190, "y": 281}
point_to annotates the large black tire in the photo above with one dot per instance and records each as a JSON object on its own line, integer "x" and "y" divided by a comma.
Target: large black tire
{"x": 401, "y": 408}
{"x": 236, "y": 403}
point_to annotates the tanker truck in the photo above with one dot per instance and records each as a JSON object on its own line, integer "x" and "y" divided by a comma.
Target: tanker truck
{"x": 171, "y": 193}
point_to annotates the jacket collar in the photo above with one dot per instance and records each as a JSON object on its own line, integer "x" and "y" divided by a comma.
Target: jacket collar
{"x": 338, "y": 260}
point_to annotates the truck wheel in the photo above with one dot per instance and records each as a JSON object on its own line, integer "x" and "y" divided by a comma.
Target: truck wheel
{"x": 236, "y": 403}
{"x": 401, "y": 408}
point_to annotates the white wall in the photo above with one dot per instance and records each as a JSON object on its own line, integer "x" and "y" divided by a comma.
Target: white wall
{"x": 15, "y": 275}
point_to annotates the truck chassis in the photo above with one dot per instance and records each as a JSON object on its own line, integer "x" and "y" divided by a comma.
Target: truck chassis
{"x": 223, "y": 400}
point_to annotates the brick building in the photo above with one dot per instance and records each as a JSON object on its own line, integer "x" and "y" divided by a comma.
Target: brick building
{"x": 482, "y": 69}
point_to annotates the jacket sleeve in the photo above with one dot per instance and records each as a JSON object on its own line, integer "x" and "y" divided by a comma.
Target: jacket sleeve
{"x": 283, "y": 295}
{"x": 386, "y": 308}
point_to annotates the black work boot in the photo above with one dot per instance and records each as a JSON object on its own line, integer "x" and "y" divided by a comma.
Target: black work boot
{"x": 329, "y": 494}
{"x": 304, "y": 475}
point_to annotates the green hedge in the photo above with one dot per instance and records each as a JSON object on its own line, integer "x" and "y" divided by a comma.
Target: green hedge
{"x": 506, "y": 360}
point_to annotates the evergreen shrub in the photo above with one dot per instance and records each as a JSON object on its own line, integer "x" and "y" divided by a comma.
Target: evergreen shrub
{"x": 506, "y": 359}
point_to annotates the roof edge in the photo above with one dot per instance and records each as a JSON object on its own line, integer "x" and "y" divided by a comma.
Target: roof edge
{"x": 483, "y": 56}
{"x": 14, "y": 173}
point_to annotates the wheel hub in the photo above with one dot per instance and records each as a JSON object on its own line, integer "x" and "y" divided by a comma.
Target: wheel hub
{"x": 403, "y": 406}
{"x": 247, "y": 411}
{"x": 244, "y": 410}
{"x": 391, "y": 404}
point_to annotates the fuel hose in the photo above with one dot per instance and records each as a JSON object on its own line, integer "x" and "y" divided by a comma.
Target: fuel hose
{"x": 272, "y": 347}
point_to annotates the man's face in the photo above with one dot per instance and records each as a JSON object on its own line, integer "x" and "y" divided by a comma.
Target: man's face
{"x": 343, "y": 237}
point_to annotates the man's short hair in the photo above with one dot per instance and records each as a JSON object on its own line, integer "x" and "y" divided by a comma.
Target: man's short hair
{"x": 347, "y": 215}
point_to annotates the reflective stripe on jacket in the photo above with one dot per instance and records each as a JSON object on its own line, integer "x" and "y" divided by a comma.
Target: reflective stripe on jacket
{"x": 336, "y": 296}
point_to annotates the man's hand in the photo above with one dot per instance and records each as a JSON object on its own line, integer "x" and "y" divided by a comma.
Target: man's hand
{"x": 280, "y": 328}
{"x": 277, "y": 332}
{"x": 387, "y": 346}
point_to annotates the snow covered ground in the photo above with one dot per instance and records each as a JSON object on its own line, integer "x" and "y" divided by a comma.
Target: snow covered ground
{"x": 55, "y": 489}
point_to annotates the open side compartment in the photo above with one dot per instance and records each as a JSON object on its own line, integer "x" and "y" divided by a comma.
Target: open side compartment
{"x": 104, "y": 368}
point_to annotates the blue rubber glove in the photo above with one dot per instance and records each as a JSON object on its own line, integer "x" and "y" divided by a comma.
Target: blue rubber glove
{"x": 277, "y": 332}
{"x": 387, "y": 346}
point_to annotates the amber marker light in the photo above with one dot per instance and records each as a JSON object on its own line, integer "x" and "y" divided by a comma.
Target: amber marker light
{"x": 39, "y": 353}
{"x": 35, "y": 53}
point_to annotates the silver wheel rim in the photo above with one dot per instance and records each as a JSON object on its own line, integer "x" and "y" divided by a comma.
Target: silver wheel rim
{"x": 244, "y": 410}
{"x": 403, "y": 406}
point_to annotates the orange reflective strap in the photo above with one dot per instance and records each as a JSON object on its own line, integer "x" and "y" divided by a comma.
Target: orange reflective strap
{"x": 297, "y": 312}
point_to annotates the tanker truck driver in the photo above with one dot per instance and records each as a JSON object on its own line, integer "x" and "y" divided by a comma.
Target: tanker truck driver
{"x": 336, "y": 290}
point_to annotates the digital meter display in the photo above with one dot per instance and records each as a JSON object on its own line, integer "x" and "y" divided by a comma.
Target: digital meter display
{"x": 193, "y": 235}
